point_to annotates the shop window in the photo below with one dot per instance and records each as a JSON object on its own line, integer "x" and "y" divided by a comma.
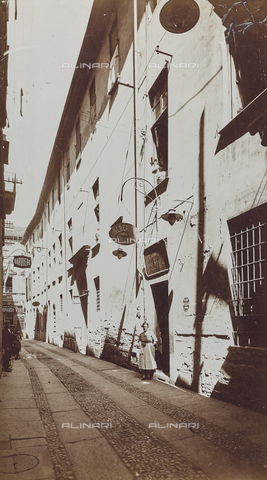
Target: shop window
{"x": 248, "y": 235}
{"x": 158, "y": 96}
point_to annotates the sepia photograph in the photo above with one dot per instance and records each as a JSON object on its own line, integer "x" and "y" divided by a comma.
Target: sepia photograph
{"x": 133, "y": 239}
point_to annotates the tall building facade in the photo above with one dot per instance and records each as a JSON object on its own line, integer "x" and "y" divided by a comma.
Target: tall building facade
{"x": 138, "y": 218}
{"x": 7, "y": 182}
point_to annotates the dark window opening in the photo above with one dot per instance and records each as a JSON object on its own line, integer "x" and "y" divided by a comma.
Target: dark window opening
{"x": 158, "y": 96}
{"x": 96, "y": 210}
{"x": 71, "y": 244}
{"x": 58, "y": 187}
{"x": 97, "y": 288}
{"x": 248, "y": 235}
{"x": 96, "y": 188}
{"x": 160, "y": 138}
{"x": 9, "y": 285}
{"x": 60, "y": 244}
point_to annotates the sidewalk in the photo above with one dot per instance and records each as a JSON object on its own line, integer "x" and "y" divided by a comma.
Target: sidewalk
{"x": 51, "y": 393}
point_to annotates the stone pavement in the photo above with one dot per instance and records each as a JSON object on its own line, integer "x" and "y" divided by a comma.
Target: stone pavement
{"x": 68, "y": 416}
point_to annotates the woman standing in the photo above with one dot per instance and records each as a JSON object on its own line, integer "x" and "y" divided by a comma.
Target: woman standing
{"x": 147, "y": 344}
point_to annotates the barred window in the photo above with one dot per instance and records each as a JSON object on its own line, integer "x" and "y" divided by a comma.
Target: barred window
{"x": 248, "y": 240}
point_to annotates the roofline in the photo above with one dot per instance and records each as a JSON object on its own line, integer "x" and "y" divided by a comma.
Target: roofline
{"x": 97, "y": 25}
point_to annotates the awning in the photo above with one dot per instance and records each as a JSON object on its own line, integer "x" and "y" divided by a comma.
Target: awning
{"x": 248, "y": 120}
{"x": 223, "y": 8}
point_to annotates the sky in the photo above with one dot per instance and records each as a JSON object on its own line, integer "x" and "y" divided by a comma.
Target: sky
{"x": 45, "y": 35}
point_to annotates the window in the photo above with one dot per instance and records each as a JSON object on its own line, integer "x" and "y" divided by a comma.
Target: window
{"x": 97, "y": 288}
{"x": 78, "y": 138}
{"x": 71, "y": 244}
{"x": 248, "y": 240}
{"x": 96, "y": 188}
{"x": 96, "y": 210}
{"x": 96, "y": 196}
{"x": 9, "y": 285}
{"x": 158, "y": 96}
{"x": 60, "y": 244}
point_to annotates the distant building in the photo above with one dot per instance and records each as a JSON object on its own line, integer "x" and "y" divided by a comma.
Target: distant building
{"x": 7, "y": 183}
{"x": 134, "y": 159}
{"x": 14, "y": 284}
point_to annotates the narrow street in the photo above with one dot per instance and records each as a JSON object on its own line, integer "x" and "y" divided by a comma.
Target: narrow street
{"x": 65, "y": 415}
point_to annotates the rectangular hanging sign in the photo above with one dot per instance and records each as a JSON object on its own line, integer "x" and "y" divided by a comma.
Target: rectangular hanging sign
{"x": 156, "y": 259}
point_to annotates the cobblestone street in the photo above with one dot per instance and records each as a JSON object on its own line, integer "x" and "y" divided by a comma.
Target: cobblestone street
{"x": 99, "y": 421}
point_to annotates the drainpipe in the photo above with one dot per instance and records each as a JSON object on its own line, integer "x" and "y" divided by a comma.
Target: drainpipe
{"x": 135, "y": 134}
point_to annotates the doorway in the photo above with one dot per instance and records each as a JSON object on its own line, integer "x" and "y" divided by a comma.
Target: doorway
{"x": 160, "y": 296}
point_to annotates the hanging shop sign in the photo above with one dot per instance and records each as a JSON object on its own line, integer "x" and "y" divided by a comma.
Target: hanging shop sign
{"x": 123, "y": 233}
{"x": 36, "y": 304}
{"x": 156, "y": 259}
{"x": 12, "y": 309}
{"x": 9, "y": 309}
{"x": 21, "y": 261}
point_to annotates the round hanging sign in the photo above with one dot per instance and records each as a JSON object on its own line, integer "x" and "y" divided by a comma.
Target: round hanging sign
{"x": 123, "y": 233}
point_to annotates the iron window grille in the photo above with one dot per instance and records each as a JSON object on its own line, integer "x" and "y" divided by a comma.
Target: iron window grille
{"x": 248, "y": 288}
